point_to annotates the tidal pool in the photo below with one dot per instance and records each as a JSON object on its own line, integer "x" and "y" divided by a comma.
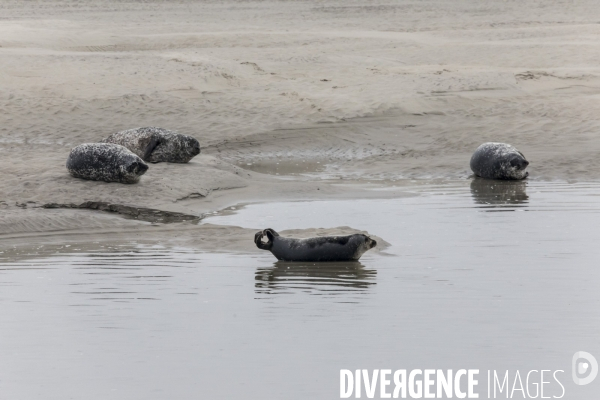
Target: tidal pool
{"x": 479, "y": 275}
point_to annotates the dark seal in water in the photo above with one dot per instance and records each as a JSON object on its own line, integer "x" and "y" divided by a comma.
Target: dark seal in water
{"x": 327, "y": 248}
{"x": 499, "y": 161}
{"x": 105, "y": 162}
{"x": 157, "y": 144}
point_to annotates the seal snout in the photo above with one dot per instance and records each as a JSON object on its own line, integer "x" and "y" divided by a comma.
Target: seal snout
{"x": 138, "y": 168}
{"x": 369, "y": 243}
{"x": 372, "y": 243}
{"x": 142, "y": 167}
{"x": 195, "y": 147}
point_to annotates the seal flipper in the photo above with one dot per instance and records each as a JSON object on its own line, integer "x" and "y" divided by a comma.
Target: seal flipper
{"x": 154, "y": 141}
{"x": 270, "y": 234}
{"x": 260, "y": 244}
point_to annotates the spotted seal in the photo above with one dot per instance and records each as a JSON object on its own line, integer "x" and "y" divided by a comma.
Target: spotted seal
{"x": 157, "y": 144}
{"x": 105, "y": 162}
{"x": 327, "y": 248}
{"x": 499, "y": 161}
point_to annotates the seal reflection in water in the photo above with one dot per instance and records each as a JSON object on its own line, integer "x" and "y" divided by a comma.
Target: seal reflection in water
{"x": 498, "y": 193}
{"x": 327, "y": 248}
{"x": 499, "y": 161}
{"x": 105, "y": 162}
{"x": 316, "y": 278}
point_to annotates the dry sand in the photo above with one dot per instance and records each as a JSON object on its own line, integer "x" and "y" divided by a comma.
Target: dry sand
{"x": 318, "y": 92}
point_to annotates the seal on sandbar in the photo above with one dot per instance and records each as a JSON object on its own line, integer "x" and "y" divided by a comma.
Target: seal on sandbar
{"x": 157, "y": 144}
{"x": 499, "y": 161}
{"x": 105, "y": 162}
{"x": 327, "y": 248}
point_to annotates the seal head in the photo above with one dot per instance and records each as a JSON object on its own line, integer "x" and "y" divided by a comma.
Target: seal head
{"x": 326, "y": 248}
{"x": 105, "y": 162}
{"x": 499, "y": 161}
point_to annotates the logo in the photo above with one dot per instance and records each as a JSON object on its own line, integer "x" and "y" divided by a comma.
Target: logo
{"x": 584, "y": 364}
{"x": 463, "y": 383}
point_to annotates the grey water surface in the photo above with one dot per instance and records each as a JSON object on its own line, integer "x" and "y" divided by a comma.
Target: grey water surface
{"x": 484, "y": 275}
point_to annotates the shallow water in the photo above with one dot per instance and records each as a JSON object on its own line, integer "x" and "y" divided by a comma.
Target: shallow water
{"x": 285, "y": 167}
{"x": 482, "y": 276}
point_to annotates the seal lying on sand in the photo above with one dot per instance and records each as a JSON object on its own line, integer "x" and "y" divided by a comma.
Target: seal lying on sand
{"x": 328, "y": 248}
{"x": 499, "y": 161}
{"x": 105, "y": 162}
{"x": 157, "y": 144}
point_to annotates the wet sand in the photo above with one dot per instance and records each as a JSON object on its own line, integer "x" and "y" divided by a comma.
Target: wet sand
{"x": 316, "y": 93}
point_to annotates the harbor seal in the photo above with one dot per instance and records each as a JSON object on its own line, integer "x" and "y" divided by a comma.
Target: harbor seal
{"x": 327, "y": 248}
{"x": 157, "y": 144}
{"x": 105, "y": 162}
{"x": 499, "y": 161}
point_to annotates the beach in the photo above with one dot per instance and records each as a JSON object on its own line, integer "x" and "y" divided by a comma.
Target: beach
{"x": 346, "y": 92}
{"x": 374, "y": 103}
